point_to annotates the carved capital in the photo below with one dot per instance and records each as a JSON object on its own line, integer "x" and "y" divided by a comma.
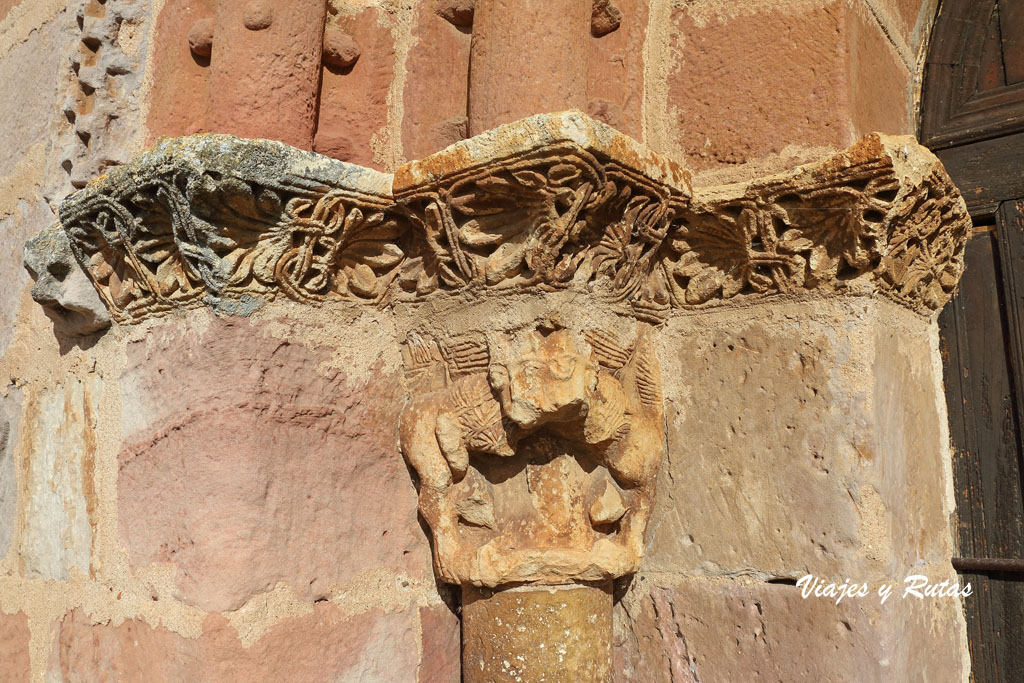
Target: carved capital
{"x": 536, "y": 451}
{"x": 536, "y": 445}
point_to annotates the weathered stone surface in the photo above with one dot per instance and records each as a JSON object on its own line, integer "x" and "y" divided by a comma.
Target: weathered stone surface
{"x": 61, "y": 286}
{"x": 33, "y": 72}
{"x": 103, "y": 103}
{"x": 615, "y": 71}
{"x": 802, "y": 439}
{"x": 722, "y": 631}
{"x": 436, "y": 92}
{"x": 340, "y": 49}
{"x": 552, "y": 201}
{"x": 198, "y": 220}
{"x": 557, "y": 634}
{"x": 873, "y": 61}
{"x": 15, "y": 665}
{"x": 547, "y": 43}
{"x": 440, "y": 661}
{"x": 60, "y": 427}
{"x": 354, "y": 100}
{"x": 752, "y": 79}
{"x": 31, "y": 69}
{"x": 322, "y": 645}
{"x": 516, "y": 443}
{"x": 910, "y": 20}
{"x": 10, "y": 423}
{"x": 266, "y": 64}
{"x": 181, "y": 79}
{"x": 264, "y": 463}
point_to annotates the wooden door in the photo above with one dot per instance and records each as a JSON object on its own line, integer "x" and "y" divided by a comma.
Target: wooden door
{"x": 973, "y": 118}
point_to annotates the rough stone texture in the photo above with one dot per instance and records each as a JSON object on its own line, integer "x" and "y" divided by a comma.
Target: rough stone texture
{"x": 805, "y": 439}
{"x": 264, "y": 463}
{"x": 750, "y": 81}
{"x": 435, "y": 96}
{"x": 61, "y": 286}
{"x": 441, "y": 636}
{"x": 180, "y": 80}
{"x": 548, "y": 44}
{"x": 15, "y": 666}
{"x": 615, "y": 73}
{"x": 557, "y": 634}
{"x": 353, "y": 107}
{"x": 265, "y": 67}
{"x": 723, "y": 631}
{"x": 909, "y": 20}
{"x": 108, "y": 52}
{"x": 324, "y": 644}
{"x": 874, "y": 60}
{"x": 32, "y": 69}
{"x": 566, "y": 432}
{"x": 226, "y": 427}
{"x": 10, "y": 422}
{"x": 60, "y": 427}
{"x": 227, "y": 222}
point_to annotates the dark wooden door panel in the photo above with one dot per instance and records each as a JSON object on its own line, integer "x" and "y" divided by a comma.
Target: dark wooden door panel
{"x": 981, "y": 352}
{"x": 982, "y": 409}
{"x": 974, "y": 73}
{"x": 1010, "y": 232}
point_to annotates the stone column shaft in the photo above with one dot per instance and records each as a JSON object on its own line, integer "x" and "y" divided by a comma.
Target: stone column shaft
{"x": 266, "y": 65}
{"x": 528, "y": 56}
{"x": 536, "y": 633}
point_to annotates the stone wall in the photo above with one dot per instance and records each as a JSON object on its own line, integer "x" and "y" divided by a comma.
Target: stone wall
{"x": 178, "y": 499}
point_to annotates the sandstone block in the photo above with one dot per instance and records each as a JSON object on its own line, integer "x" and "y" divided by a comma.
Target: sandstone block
{"x": 60, "y": 427}
{"x": 264, "y": 463}
{"x": 802, "y": 438}
{"x": 180, "y": 78}
{"x": 749, "y": 81}
{"x": 880, "y": 97}
{"x": 15, "y": 666}
{"x": 712, "y": 631}
{"x": 440, "y": 661}
{"x": 322, "y": 645}
{"x": 437, "y": 84}
{"x": 354, "y": 100}
{"x": 10, "y": 421}
{"x": 615, "y": 70}
{"x": 527, "y": 57}
{"x": 266, "y": 64}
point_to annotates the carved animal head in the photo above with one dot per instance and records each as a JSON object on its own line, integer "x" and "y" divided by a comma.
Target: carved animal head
{"x": 61, "y": 286}
{"x": 546, "y": 379}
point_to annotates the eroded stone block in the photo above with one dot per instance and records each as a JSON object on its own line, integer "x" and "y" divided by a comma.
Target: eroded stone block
{"x": 15, "y": 664}
{"x": 10, "y": 422}
{"x": 264, "y": 463}
{"x": 723, "y": 631}
{"x": 803, "y": 438}
{"x": 322, "y": 645}
{"x": 60, "y": 428}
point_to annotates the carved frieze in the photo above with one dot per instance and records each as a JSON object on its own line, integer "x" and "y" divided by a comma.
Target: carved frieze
{"x": 554, "y": 201}
{"x": 536, "y": 451}
{"x": 213, "y": 217}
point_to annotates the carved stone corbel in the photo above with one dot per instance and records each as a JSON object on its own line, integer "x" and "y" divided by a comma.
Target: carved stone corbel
{"x": 217, "y": 220}
{"x": 535, "y": 438}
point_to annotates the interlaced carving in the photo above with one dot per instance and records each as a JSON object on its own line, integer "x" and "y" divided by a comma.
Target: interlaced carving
{"x": 187, "y": 222}
{"x": 823, "y": 229}
{"x": 544, "y": 220}
{"x": 168, "y": 232}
